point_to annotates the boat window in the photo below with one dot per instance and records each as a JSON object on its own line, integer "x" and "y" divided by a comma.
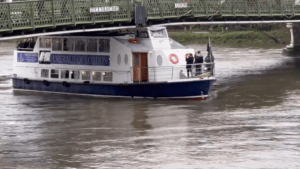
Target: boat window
{"x": 74, "y": 74}
{"x": 85, "y": 75}
{"x": 54, "y": 73}
{"x": 107, "y": 76}
{"x": 45, "y": 42}
{"x": 57, "y": 44}
{"x": 126, "y": 59}
{"x": 159, "y": 60}
{"x": 91, "y": 45}
{"x": 45, "y": 73}
{"x": 144, "y": 34}
{"x": 137, "y": 60}
{"x": 68, "y": 44}
{"x": 104, "y": 45}
{"x": 64, "y": 74}
{"x": 96, "y": 76}
{"x": 158, "y": 33}
{"x": 80, "y": 45}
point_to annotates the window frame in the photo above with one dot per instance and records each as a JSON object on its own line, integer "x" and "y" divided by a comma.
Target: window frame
{"x": 70, "y": 74}
{"x": 73, "y": 46}
{"x": 58, "y": 77}
{"x": 84, "y": 44}
{"x": 47, "y": 73}
{"x": 97, "y": 44}
{"x": 61, "y": 70}
{"x": 61, "y": 45}
{"x": 82, "y": 76}
{"x": 40, "y": 41}
{"x": 103, "y": 73}
{"x": 101, "y": 76}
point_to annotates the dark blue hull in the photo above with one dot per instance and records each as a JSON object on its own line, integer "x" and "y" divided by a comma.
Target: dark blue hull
{"x": 190, "y": 89}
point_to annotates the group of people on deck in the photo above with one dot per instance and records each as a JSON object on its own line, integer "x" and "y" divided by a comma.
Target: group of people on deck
{"x": 197, "y": 62}
{"x": 26, "y": 43}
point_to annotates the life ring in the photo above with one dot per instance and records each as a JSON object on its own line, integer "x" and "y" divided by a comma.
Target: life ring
{"x": 26, "y": 81}
{"x": 173, "y": 58}
{"x": 65, "y": 84}
{"x": 134, "y": 41}
{"x": 46, "y": 83}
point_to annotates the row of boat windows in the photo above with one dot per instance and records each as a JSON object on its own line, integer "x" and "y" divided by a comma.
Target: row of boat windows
{"x": 76, "y": 44}
{"x": 84, "y": 75}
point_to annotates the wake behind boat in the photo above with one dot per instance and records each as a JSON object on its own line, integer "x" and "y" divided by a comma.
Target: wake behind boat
{"x": 145, "y": 64}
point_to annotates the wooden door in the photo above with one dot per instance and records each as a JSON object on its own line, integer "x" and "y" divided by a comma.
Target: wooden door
{"x": 144, "y": 67}
{"x": 140, "y": 67}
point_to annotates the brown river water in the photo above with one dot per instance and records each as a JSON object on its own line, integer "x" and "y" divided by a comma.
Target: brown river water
{"x": 250, "y": 120}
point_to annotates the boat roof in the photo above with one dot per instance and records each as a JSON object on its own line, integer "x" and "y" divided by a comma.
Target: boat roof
{"x": 135, "y": 47}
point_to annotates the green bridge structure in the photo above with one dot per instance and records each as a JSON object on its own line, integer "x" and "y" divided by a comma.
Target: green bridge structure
{"x": 31, "y": 17}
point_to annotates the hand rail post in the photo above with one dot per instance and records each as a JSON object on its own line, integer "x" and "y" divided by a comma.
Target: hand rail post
{"x": 293, "y": 9}
{"x": 111, "y": 13}
{"x": 73, "y": 13}
{"x": 246, "y": 8}
{"x": 281, "y": 7}
{"x": 53, "y": 17}
{"x": 161, "y": 9}
{"x": 128, "y": 10}
{"x": 258, "y": 7}
{"x": 9, "y": 18}
{"x": 172, "y": 72}
{"x": 234, "y": 9}
{"x": 31, "y": 15}
{"x": 206, "y": 8}
{"x": 270, "y": 8}
{"x": 93, "y": 14}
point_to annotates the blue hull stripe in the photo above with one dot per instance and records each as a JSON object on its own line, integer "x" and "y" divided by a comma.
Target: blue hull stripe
{"x": 155, "y": 90}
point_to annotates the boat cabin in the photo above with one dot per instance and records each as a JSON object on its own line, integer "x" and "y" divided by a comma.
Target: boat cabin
{"x": 146, "y": 56}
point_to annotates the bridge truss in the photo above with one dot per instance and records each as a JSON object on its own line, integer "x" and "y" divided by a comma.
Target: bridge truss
{"x": 57, "y": 15}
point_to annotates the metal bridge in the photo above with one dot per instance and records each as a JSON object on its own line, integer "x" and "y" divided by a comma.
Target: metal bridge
{"x": 27, "y": 17}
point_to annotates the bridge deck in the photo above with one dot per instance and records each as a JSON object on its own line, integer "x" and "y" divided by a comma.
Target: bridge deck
{"x": 31, "y": 15}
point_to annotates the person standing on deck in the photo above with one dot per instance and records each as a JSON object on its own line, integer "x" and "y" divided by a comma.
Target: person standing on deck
{"x": 198, "y": 62}
{"x": 189, "y": 61}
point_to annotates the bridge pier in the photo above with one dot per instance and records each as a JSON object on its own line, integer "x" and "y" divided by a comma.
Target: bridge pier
{"x": 293, "y": 49}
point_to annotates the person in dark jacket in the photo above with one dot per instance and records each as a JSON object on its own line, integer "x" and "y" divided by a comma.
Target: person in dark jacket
{"x": 189, "y": 61}
{"x": 210, "y": 61}
{"x": 198, "y": 62}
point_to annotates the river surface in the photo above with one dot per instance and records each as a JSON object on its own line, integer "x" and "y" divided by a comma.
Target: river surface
{"x": 250, "y": 120}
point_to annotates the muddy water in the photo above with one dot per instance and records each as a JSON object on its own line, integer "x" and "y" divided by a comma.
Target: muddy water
{"x": 250, "y": 120}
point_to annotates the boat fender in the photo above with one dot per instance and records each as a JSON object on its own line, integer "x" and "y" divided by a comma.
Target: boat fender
{"x": 26, "y": 81}
{"x": 173, "y": 58}
{"x": 46, "y": 83}
{"x": 65, "y": 84}
{"x": 134, "y": 41}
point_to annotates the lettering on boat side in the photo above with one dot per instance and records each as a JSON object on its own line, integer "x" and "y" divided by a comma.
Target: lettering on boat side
{"x": 94, "y": 60}
{"x": 28, "y": 57}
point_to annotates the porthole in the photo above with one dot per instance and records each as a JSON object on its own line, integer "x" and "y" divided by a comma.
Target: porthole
{"x": 159, "y": 60}
{"x": 119, "y": 59}
{"x": 126, "y": 59}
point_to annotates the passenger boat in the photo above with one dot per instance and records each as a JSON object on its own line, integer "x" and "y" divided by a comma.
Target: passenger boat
{"x": 143, "y": 64}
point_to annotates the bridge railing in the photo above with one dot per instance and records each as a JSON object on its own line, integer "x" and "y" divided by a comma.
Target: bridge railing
{"x": 52, "y": 13}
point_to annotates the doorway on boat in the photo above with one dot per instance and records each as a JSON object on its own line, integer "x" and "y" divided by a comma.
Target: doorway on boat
{"x": 140, "y": 67}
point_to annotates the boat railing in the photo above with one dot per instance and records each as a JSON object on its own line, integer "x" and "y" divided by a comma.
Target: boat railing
{"x": 167, "y": 73}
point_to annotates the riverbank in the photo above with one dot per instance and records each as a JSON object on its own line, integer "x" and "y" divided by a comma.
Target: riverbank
{"x": 246, "y": 38}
